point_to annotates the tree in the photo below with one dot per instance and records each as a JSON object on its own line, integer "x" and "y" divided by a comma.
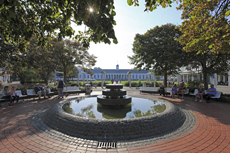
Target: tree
{"x": 206, "y": 23}
{"x": 7, "y": 51}
{"x": 211, "y": 63}
{"x": 41, "y": 59}
{"x": 205, "y": 27}
{"x": 157, "y": 50}
{"x": 69, "y": 53}
{"x": 20, "y": 20}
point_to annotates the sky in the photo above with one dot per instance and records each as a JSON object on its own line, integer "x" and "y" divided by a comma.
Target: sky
{"x": 130, "y": 21}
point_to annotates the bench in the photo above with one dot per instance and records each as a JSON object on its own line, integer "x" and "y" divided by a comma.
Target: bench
{"x": 48, "y": 91}
{"x": 19, "y": 92}
{"x": 217, "y": 95}
{"x": 195, "y": 92}
{"x": 148, "y": 89}
{"x": 94, "y": 85}
{"x": 68, "y": 90}
{"x": 31, "y": 92}
{"x": 186, "y": 92}
{"x": 168, "y": 90}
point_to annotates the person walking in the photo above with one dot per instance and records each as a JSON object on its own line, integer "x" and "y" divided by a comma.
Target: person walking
{"x": 112, "y": 81}
{"x": 61, "y": 85}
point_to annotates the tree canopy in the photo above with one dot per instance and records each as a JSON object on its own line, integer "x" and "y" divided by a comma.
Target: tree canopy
{"x": 206, "y": 27}
{"x": 20, "y": 20}
{"x": 157, "y": 50}
{"x": 205, "y": 23}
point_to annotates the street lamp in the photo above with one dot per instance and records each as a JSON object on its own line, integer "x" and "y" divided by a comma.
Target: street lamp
{"x": 129, "y": 77}
{"x": 102, "y": 76}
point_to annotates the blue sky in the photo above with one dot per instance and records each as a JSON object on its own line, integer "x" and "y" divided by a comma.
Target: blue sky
{"x": 130, "y": 21}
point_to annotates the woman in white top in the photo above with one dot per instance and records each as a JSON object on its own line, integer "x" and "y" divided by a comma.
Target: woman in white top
{"x": 13, "y": 94}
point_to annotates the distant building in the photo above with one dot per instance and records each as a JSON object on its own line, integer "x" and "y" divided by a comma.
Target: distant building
{"x": 120, "y": 74}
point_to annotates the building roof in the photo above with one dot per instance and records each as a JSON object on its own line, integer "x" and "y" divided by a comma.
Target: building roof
{"x": 114, "y": 71}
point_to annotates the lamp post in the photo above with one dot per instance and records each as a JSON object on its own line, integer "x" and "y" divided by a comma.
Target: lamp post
{"x": 102, "y": 76}
{"x": 129, "y": 77}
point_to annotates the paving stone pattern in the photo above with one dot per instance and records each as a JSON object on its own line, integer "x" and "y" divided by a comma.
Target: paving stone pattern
{"x": 210, "y": 133}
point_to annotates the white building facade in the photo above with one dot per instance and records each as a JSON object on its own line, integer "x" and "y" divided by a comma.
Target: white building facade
{"x": 120, "y": 74}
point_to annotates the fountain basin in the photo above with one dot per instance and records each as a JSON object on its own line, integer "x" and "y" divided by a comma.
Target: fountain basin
{"x": 104, "y": 130}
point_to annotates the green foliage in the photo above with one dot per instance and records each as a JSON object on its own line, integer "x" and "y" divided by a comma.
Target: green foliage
{"x": 205, "y": 24}
{"x": 69, "y": 53}
{"x": 205, "y": 27}
{"x": 20, "y": 20}
{"x": 210, "y": 63}
{"x": 193, "y": 84}
{"x": 157, "y": 50}
{"x": 27, "y": 75}
{"x": 135, "y": 83}
{"x": 224, "y": 97}
{"x": 1, "y": 86}
{"x": 152, "y": 4}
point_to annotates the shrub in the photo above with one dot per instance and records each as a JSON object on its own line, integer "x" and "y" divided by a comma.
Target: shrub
{"x": 193, "y": 84}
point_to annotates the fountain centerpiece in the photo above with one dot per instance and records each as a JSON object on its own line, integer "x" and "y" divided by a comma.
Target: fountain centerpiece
{"x": 114, "y": 96}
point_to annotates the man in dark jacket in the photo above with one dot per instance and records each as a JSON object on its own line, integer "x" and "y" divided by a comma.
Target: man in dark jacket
{"x": 61, "y": 85}
{"x": 38, "y": 90}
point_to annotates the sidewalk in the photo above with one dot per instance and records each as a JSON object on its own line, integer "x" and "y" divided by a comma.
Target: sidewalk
{"x": 210, "y": 133}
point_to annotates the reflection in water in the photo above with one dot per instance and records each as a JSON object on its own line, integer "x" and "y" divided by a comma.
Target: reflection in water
{"x": 113, "y": 113}
{"x": 68, "y": 109}
{"x": 154, "y": 110}
{"x": 89, "y": 108}
{"x": 85, "y": 111}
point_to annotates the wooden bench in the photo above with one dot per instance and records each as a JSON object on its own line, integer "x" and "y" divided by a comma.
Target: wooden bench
{"x": 148, "y": 89}
{"x": 68, "y": 90}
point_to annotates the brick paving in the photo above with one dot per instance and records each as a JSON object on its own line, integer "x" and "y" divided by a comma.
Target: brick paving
{"x": 211, "y": 132}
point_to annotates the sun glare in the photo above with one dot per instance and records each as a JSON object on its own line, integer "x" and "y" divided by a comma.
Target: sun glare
{"x": 90, "y": 9}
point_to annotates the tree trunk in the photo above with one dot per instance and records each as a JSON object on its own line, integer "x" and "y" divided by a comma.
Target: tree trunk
{"x": 65, "y": 80}
{"x": 165, "y": 79}
{"x": 205, "y": 75}
{"x": 46, "y": 80}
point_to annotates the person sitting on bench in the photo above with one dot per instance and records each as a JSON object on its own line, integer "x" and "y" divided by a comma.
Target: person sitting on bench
{"x": 182, "y": 89}
{"x": 210, "y": 92}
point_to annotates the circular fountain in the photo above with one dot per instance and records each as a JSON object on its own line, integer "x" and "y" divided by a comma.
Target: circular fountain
{"x": 114, "y": 96}
{"x": 173, "y": 121}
